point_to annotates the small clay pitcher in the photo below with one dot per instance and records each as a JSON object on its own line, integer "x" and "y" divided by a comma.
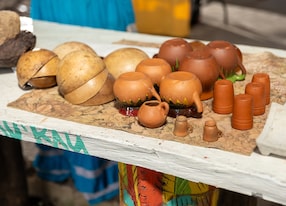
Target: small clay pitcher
{"x": 227, "y": 56}
{"x": 223, "y": 97}
{"x": 203, "y": 64}
{"x": 257, "y": 91}
{"x": 153, "y": 113}
{"x": 181, "y": 127}
{"x": 242, "y": 114}
{"x": 133, "y": 88}
{"x": 155, "y": 68}
{"x": 265, "y": 80}
{"x": 181, "y": 89}
{"x": 211, "y": 133}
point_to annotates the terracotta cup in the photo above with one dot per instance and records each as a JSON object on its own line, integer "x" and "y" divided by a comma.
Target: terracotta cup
{"x": 182, "y": 128}
{"x": 211, "y": 133}
{"x": 242, "y": 114}
{"x": 257, "y": 91}
{"x": 153, "y": 113}
{"x": 265, "y": 80}
{"x": 223, "y": 96}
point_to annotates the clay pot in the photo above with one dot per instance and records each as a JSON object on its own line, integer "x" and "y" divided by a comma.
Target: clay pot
{"x": 173, "y": 51}
{"x": 182, "y": 128}
{"x": 181, "y": 89}
{"x": 223, "y": 97}
{"x": 134, "y": 88}
{"x": 257, "y": 91}
{"x": 228, "y": 59}
{"x": 211, "y": 133}
{"x": 197, "y": 45}
{"x": 155, "y": 68}
{"x": 203, "y": 64}
{"x": 265, "y": 80}
{"x": 242, "y": 114}
{"x": 153, "y": 113}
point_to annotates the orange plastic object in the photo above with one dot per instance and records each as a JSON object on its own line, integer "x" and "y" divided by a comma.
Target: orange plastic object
{"x": 171, "y": 18}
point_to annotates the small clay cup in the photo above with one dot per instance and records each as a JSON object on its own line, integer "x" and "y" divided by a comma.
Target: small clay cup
{"x": 223, "y": 96}
{"x": 203, "y": 64}
{"x": 242, "y": 114}
{"x": 265, "y": 80}
{"x": 211, "y": 133}
{"x": 257, "y": 91}
{"x": 182, "y": 128}
{"x": 153, "y": 113}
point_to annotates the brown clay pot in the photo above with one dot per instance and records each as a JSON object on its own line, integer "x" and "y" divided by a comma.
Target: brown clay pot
{"x": 153, "y": 113}
{"x": 242, "y": 114}
{"x": 203, "y": 64}
{"x": 134, "y": 88}
{"x": 223, "y": 97}
{"x": 182, "y": 89}
{"x": 173, "y": 51}
{"x": 257, "y": 91}
{"x": 228, "y": 58}
{"x": 211, "y": 133}
{"x": 265, "y": 80}
{"x": 182, "y": 128}
{"x": 155, "y": 68}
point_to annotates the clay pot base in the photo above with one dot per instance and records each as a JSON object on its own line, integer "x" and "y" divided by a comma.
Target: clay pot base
{"x": 187, "y": 112}
{"x": 206, "y": 95}
{"x": 125, "y": 110}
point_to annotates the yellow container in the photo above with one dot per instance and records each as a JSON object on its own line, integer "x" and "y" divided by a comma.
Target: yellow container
{"x": 163, "y": 17}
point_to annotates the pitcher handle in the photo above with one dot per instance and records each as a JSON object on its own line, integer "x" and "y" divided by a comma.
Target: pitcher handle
{"x": 165, "y": 106}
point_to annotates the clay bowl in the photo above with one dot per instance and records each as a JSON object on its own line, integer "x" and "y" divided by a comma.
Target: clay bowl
{"x": 155, "y": 68}
{"x": 203, "y": 64}
{"x": 134, "y": 88}
{"x": 228, "y": 59}
{"x": 181, "y": 89}
{"x": 37, "y": 69}
{"x": 173, "y": 51}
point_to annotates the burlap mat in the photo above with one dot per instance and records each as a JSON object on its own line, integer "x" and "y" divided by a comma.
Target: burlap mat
{"x": 48, "y": 102}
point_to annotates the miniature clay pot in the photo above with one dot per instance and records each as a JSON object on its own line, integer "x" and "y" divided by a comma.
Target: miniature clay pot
{"x": 211, "y": 133}
{"x": 265, "y": 80}
{"x": 155, "y": 68}
{"x": 257, "y": 91}
{"x": 197, "y": 45}
{"x": 182, "y": 128}
{"x": 173, "y": 51}
{"x": 182, "y": 89}
{"x": 134, "y": 88}
{"x": 242, "y": 114}
{"x": 228, "y": 59}
{"x": 203, "y": 64}
{"x": 223, "y": 97}
{"x": 153, "y": 113}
